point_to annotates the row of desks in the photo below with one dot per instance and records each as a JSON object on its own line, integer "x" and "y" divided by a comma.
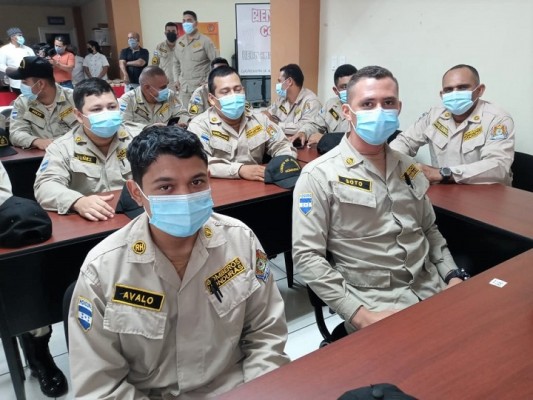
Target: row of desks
{"x": 33, "y": 279}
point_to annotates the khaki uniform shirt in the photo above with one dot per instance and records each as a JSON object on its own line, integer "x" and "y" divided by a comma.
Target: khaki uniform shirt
{"x": 138, "y": 331}
{"x": 329, "y": 119}
{"x": 303, "y": 111}
{"x": 5, "y": 185}
{"x": 199, "y": 101}
{"x": 193, "y": 61}
{"x": 479, "y": 150}
{"x": 31, "y": 120}
{"x": 165, "y": 58}
{"x": 74, "y": 167}
{"x": 229, "y": 150}
{"x": 135, "y": 108}
{"x": 387, "y": 252}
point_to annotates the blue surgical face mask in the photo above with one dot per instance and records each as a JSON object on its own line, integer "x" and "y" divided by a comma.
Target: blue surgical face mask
{"x": 188, "y": 27}
{"x": 59, "y": 50}
{"x": 458, "y": 102}
{"x": 279, "y": 89}
{"x": 180, "y": 215}
{"x": 105, "y": 124}
{"x": 20, "y": 40}
{"x": 343, "y": 95}
{"x": 132, "y": 43}
{"x": 26, "y": 91}
{"x": 375, "y": 126}
{"x": 162, "y": 95}
{"x": 232, "y": 106}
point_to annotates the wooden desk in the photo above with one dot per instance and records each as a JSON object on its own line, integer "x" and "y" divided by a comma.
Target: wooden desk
{"x": 473, "y": 341}
{"x": 21, "y": 169}
{"x": 307, "y": 154}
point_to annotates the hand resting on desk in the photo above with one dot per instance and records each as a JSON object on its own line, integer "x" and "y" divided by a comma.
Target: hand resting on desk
{"x": 252, "y": 172}
{"x": 95, "y": 207}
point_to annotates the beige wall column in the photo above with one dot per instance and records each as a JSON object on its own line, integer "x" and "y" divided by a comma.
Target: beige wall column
{"x": 295, "y": 27}
{"x": 123, "y": 16}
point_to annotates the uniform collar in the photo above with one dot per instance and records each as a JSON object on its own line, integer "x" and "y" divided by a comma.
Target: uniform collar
{"x": 211, "y": 234}
{"x": 141, "y": 248}
{"x": 61, "y": 94}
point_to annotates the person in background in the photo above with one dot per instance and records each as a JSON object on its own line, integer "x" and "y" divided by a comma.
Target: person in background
{"x": 330, "y": 118}
{"x": 151, "y": 102}
{"x": 366, "y": 206}
{"x": 295, "y": 105}
{"x": 470, "y": 140}
{"x": 165, "y": 55}
{"x": 194, "y": 53}
{"x": 95, "y": 64}
{"x": 235, "y": 138}
{"x": 44, "y": 110}
{"x": 132, "y": 60}
{"x": 199, "y": 101}
{"x": 63, "y": 62}
{"x": 77, "y": 73}
{"x": 213, "y": 317}
{"x": 88, "y": 160}
{"x": 12, "y": 54}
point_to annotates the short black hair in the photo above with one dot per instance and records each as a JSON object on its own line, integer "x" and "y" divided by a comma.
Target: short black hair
{"x": 223, "y": 70}
{"x": 459, "y": 66}
{"x": 191, "y": 13}
{"x": 95, "y": 44}
{"x": 150, "y": 72}
{"x": 372, "y": 71}
{"x": 153, "y": 141}
{"x": 62, "y": 39}
{"x": 295, "y": 72}
{"x": 342, "y": 71}
{"x": 171, "y": 24}
{"x": 219, "y": 60}
{"x": 90, "y": 87}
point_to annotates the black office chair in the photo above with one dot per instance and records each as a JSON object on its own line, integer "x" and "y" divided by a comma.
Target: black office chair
{"x": 522, "y": 171}
{"x": 67, "y": 297}
{"x": 329, "y": 337}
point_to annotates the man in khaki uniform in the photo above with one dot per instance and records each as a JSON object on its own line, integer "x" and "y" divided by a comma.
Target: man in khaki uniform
{"x": 194, "y": 53}
{"x": 235, "y": 138}
{"x": 330, "y": 118}
{"x": 199, "y": 101}
{"x": 366, "y": 204}
{"x": 44, "y": 111}
{"x": 470, "y": 140}
{"x": 152, "y": 101}
{"x": 295, "y": 106}
{"x": 164, "y": 54}
{"x": 190, "y": 308}
{"x": 88, "y": 160}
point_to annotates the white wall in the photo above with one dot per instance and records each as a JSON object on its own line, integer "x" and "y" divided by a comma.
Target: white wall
{"x": 156, "y": 13}
{"x": 418, "y": 40}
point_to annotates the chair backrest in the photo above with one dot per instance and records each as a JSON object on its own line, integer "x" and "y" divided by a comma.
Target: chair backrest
{"x": 522, "y": 169}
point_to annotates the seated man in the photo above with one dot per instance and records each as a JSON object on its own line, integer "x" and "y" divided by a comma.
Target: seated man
{"x": 180, "y": 303}
{"x": 152, "y": 101}
{"x": 44, "y": 111}
{"x": 199, "y": 101}
{"x": 330, "y": 118}
{"x": 88, "y": 160}
{"x": 366, "y": 204}
{"x": 235, "y": 138}
{"x": 470, "y": 139}
{"x": 296, "y": 105}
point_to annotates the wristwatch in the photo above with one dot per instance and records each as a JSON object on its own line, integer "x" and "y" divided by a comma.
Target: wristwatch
{"x": 446, "y": 174}
{"x": 456, "y": 273}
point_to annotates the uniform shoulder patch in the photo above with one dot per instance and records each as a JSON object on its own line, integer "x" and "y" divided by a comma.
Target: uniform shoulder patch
{"x": 193, "y": 109}
{"x": 262, "y": 270}
{"x": 305, "y": 203}
{"x": 136, "y": 297}
{"x": 85, "y": 313}
{"x": 499, "y": 132}
{"x": 358, "y": 183}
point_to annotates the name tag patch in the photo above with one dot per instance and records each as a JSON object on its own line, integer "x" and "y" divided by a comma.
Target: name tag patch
{"x": 221, "y": 135}
{"x": 36, "y": 112}
{"x": 66, "y": 112}
{"x": 250, "y": 133}
{"x": 473, "y": 133}
{"x": 85, "y": 313}
{"x": 142, "y": 113}
{"x": 283, "y": 109}
{"x": 305, "y": 203}
{"x": 86, "y": 158}
{"x": 229, "y": 271}
{"x": 362, "y": 184}
{"x": 441, "y": 128}
{"x": 412, "y": 171}
{"x": 140, "y": 298}
{"x": 334, "y": 114}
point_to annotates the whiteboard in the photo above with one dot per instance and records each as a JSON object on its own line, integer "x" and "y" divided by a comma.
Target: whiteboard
{"x": 253, "y": 38}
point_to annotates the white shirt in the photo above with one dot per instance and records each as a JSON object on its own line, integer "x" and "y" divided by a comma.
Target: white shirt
{"x": 11, "y": 56}
{"x": 95, "y": 63}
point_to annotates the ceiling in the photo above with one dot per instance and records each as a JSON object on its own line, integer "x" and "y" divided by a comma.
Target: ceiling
{"x": 50, "y": 3}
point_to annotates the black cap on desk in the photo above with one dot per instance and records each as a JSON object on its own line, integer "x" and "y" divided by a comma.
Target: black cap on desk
{"x": 126, "y": 205}
{"x": 5, "y": 148}
{"x": 283, "y": 171}
{"x": 23, "y": 222}
{"x": 379, "y": 391}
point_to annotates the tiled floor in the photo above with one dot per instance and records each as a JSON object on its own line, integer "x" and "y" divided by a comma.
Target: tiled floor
{"x": 304, "y": 336}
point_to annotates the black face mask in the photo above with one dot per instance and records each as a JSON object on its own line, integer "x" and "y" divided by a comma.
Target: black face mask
{"x": 171, "y": 36}
{"x": 89, "y": 50}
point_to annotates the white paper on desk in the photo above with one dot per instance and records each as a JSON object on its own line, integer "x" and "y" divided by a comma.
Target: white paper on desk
{"x": 498, "y": 282}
